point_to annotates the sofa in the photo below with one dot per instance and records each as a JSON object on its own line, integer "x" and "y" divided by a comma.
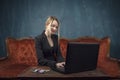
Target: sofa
{"x": 21, "y": 54}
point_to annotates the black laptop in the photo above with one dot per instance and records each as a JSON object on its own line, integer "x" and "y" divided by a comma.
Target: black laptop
{"x": 80, "y": 57}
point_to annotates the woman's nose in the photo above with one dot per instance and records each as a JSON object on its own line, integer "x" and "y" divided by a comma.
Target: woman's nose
{"x": 55, "y": 28}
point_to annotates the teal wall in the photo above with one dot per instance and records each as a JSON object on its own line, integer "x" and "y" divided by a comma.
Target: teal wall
{"x": 98, "y": 18}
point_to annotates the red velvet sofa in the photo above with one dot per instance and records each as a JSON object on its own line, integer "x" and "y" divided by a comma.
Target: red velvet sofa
{"x": 22, "y": 54}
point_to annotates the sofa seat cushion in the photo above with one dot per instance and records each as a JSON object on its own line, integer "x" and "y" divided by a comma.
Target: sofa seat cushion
{"x": 21, "y": 51}
{"x": 11, "y": 70}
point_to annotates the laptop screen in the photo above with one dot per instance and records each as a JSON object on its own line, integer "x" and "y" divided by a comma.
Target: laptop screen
{"x": 81, "y": 56}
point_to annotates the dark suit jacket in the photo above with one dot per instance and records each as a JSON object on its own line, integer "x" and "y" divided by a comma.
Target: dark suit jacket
{"x": 47, "y": 55}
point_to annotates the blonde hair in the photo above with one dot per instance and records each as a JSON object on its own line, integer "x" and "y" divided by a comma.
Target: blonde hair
{"x": 49, "y": 20}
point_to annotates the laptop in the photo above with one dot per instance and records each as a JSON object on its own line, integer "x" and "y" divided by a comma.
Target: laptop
{"x": 80, "y": 57}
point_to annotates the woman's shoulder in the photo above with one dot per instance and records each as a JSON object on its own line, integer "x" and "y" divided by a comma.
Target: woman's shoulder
{"x": 40, "y": 36}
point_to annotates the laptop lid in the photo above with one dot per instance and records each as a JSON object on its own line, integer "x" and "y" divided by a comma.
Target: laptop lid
{"x": 81, "y": 57}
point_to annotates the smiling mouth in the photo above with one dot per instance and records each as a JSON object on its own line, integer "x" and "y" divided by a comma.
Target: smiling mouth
{"x": 53, "y": 31}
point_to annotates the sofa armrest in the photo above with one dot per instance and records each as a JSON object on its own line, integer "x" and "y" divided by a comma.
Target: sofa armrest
{"x": 107, "y": 65}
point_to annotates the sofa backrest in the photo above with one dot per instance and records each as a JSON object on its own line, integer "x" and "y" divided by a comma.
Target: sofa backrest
{"x": 22, "y": 51}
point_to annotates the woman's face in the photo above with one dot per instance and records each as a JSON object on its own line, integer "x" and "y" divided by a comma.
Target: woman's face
{"x": 52, "y": 27}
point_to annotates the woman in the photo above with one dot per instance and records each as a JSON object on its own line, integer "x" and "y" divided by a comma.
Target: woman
{"x": 47, "y": 47}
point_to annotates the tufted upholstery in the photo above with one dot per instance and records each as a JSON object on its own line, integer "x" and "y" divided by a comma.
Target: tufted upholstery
{"x": 21, "y": 51}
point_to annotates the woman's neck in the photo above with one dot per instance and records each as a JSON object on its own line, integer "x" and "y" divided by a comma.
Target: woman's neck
{"x": 47, "y": 33}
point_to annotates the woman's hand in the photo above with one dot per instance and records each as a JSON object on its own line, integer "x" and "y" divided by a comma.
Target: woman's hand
{"x": 60, "y": 65}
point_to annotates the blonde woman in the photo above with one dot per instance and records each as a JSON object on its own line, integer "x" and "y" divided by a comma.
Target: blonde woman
{"x": 47, "y": 47}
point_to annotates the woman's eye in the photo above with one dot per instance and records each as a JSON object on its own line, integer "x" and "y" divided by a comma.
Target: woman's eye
{"x": 54, "y": 26}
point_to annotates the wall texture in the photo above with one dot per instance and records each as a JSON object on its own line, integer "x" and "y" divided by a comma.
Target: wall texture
{"x": 98, "y": 18}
